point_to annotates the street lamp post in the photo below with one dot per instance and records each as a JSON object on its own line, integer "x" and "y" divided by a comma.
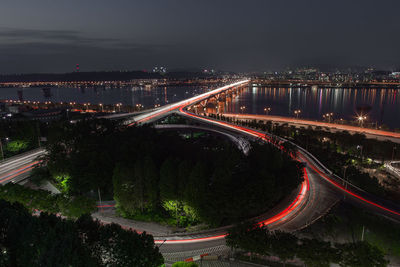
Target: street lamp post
{"x": 328, "y": 116}
{"x": 345, "y": 179}
{"x": 1, "y": 150}
{"x": 267, "y": 110}
{"x": 242, "y": 108}
{"x": 361, "y": 151}
{"x": 297, "y": 112}
{"x": 361, "y": 120}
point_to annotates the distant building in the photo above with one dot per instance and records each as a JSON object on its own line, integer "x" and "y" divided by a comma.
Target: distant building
{"x": 160, "y": 70}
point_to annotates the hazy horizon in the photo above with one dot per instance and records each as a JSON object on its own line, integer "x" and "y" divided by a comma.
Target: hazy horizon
{"x": 51, "y": 36}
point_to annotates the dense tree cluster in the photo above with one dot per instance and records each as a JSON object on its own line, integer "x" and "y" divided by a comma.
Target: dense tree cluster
{"x": 18, "y": 136}
{"x": 206, "y": 179}
{"x": 45, "y": 201}
{"x": 47, "y": 240}
{"x": 258, "y": 240}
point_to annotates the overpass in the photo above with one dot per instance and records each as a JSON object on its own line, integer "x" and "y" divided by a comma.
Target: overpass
{"x": 311, "y": 200}
{"x": 15, "y": 169}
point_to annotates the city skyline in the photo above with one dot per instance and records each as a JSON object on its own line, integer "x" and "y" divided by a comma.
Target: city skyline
{"x": 230, "y": 35}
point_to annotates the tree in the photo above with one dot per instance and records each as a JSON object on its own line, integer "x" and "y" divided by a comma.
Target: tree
{"x": 39, "y": 241}
{"x": 118, "y": 247}
{"x": 361, "y": 253}
{"x": 249, "y": 236}
{"x": 124, "y": 193}
{"x": 168, "y": 180}
{"x": 151, "y": 178}
{"x": 47, "y": 240}
{"x": 314, "y": 252}
{"x": 284, "y": 245}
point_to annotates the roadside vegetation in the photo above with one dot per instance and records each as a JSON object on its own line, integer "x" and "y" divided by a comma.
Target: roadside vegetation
{"x": 257, "y": 244}
{"x": 19, "y": 136}
{"x": 163, "y": 177}
{"x": 350, "y": 156}
{"x": 48, "y": 240}
{"x": 348, "y": 223}
{"x": 44, "y": 201}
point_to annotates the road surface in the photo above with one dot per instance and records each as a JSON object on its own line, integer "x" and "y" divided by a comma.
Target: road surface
{"x": 17, "y": 168}
{"x": 369, "y": 133}
{"x": 319, "y": 191}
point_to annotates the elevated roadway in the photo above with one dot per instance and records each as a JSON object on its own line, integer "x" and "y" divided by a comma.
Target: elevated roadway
{"x": 319, "y": 191}
{"x": 334, "y": 127}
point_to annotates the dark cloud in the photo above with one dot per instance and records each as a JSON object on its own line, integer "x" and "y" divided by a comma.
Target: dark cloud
{"x": 60, "y": 57}
{"x": 28, "y": 35}
{"x": 225, "y": 34}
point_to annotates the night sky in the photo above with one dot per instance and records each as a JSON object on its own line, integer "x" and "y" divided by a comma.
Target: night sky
{"x": 247, "y": 35}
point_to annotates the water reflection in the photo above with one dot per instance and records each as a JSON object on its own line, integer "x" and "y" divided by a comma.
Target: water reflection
{"x": 315, "y": 102}
{"x": 106, "y": 95}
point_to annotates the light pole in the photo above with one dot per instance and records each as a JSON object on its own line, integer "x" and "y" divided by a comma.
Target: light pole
{"x": 345, "y": 179}
{"x": 101, "y": 105}
{"x": 394, "y": 148}
{"x": 1, "y": 150}
{"x": 361, "y": 149}
{"x": 242, "y": 108}
{"x": 267, "y": 110}
{"x": 361, "y": 120}
{"x": 101, "y": 206}
{"x": 297, "y": 112}
{"x": 328, "y": 116}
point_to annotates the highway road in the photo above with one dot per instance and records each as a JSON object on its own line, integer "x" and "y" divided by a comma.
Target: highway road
{"x": 369, "y": 133}
{"x": 319, "y": 191}
{"x": 393, "y": 167}
{"x": 242, "y": 143}
{"x": 16, "y": 169}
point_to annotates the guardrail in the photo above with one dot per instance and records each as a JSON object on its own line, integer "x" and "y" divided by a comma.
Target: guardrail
{"x": 353, "y": 188}
{"x": 339, "y": 181}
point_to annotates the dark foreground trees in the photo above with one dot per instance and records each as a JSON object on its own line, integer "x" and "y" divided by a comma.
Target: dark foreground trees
{"x": 47, "y": 240}
{"x": 251, "y": 237}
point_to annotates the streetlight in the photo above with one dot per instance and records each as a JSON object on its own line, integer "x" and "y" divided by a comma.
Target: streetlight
{"x": 101, "y": 105}
{"x": 361, "y": 119}
{"x": 1, "y": 150}
{"x": 267, "y": 110}
{"x": 328, "y": 116}
{"x": 242, "y": 108}
{"x": 361, "y": 149}
{"x": 297, "y": 112}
